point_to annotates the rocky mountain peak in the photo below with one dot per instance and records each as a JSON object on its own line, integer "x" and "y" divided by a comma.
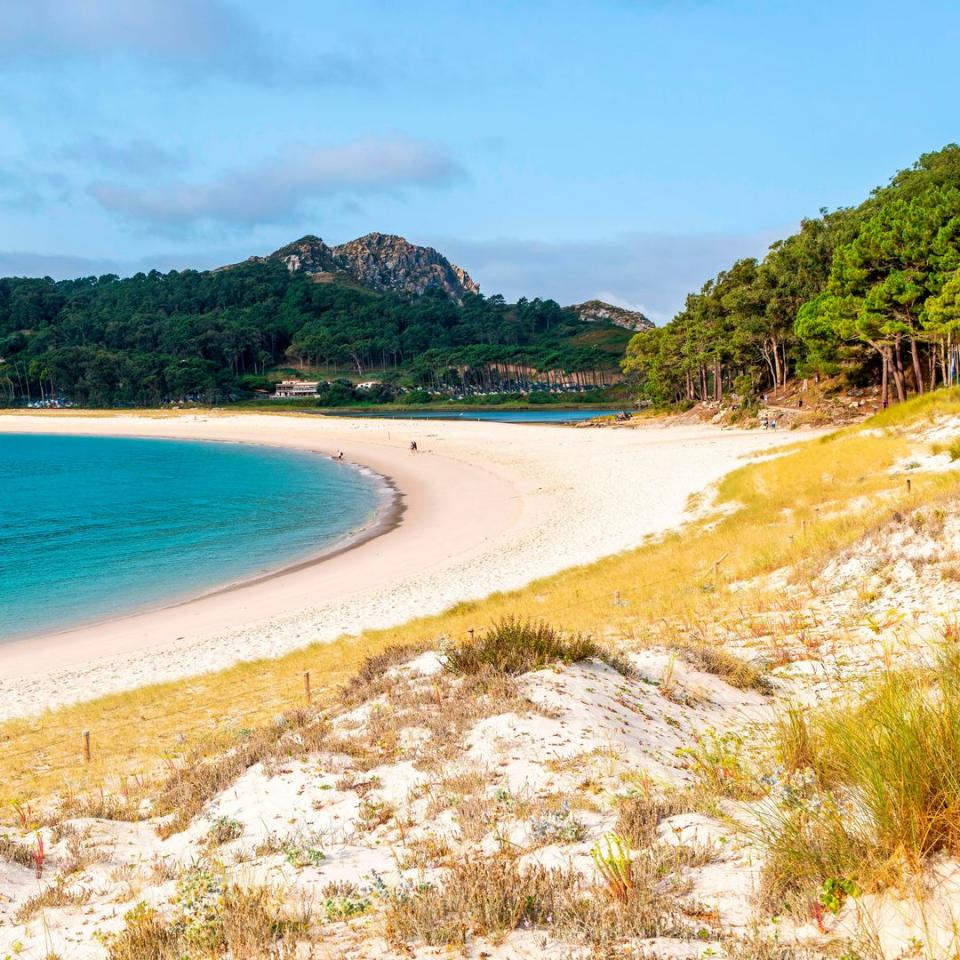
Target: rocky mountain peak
{"x": 380, "y": 261}
{"x": 309, "y": 254}
{"x": 388, "y": 262}
{"x": 594, "y": 311}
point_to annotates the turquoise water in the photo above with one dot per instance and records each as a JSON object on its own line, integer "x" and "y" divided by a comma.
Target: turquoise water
{"x": 93, "y": 527}
{"x": 495, "y": 416}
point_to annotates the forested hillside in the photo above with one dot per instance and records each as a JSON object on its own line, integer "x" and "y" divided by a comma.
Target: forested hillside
{"x": 871, "y": 291}
{"x": 213, "y": 336}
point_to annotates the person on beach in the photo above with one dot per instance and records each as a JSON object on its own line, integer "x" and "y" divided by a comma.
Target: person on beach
{"x": 413, "y": 446}
{"x": 339, "y": 455}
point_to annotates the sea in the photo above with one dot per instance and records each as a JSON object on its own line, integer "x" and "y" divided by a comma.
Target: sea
{"x": 92, "y": 527}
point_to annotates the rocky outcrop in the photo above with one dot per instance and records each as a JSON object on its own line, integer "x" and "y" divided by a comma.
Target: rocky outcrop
{"x": 309, "y": 254}
{"x": 386, "y": 262}
{"x": 379, "y": 261}
{"x": 593, "y": 311}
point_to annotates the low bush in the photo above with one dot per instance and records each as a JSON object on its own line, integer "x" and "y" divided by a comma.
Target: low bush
{"x": 491, "y": 897}
{"x": 732, "y": 669}
{"x": 640, "y": 812}
{"x": 513, "y": 646}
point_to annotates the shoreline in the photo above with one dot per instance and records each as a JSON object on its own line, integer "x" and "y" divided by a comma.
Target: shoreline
{"x": 486, "y": 507}
{"x": 387, "y": 516}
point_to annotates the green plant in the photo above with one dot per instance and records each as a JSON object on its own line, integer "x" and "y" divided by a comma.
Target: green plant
{"x": 514, "y": 646}
{"x": 303, "y": 851}
{"x": 716, "y": 760}
{"x": 612, "y": 860}
{"x": 834, "y": 891}
{"x": 145, "y": 936}
{"x": 344, "y": 907}
{"x": 223, "y": 830}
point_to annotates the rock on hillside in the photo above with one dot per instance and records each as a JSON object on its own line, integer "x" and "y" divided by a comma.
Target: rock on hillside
{"x": 379, "y": 261}
{"x": 594, "y": 311}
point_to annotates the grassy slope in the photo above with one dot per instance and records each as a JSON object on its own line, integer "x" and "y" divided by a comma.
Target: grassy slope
{"x": 793, "y": 508}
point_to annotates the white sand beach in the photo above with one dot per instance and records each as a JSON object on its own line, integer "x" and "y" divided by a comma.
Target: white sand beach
{"x": 486, "y": 507}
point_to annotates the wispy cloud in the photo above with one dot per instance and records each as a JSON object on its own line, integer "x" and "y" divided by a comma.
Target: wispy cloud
{"x": 280, "y": 188}
{"x": 138, "y": 156}
{"x": 651, "y": 272}
{"x": 192, "y": 36}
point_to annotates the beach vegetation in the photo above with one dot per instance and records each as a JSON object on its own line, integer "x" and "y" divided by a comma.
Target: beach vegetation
{"x": 210, "y": 917}
{"x": 492, "y": 896}
{"x": 54, "y": 895}
{"x": 868, "y": 786}
{"x": 513, "y": 646}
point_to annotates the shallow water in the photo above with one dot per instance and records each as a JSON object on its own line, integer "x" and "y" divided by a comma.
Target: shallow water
{"x": 495, "y": 416}
{"x": 93, "y": 527}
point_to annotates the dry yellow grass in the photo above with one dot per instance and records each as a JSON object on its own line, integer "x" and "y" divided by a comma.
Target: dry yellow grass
{"x": 797, "y": 508}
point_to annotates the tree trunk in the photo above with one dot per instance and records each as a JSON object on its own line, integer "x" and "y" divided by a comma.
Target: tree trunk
{"x": 899, "y": 378}
{"x": 915, "y": 358}
{"x": 885, "y": 377}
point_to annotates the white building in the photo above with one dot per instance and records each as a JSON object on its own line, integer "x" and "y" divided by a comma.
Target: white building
{"x": 296, "y": 388}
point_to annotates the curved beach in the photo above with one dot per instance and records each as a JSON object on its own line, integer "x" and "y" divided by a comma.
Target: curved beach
{"x": 484, "y": 507}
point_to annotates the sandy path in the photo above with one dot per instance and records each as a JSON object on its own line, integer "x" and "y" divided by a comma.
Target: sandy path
{"x": 487, "y": 507}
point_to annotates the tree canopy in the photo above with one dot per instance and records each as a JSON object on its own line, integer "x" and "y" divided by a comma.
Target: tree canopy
{"x": 871, "y": 289}
{"x": 211, "y": 336}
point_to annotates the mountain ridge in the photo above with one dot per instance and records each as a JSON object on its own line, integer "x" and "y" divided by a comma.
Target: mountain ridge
{"x": 380, "y": 261}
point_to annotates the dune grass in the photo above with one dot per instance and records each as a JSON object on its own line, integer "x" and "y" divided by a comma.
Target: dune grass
{"x": 796, "y": 508}
{"x": 874, "y": 783}
{"x": 513, "y": 646}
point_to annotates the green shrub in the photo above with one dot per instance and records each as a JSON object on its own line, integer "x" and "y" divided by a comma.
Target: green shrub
{"x": 514, "y": 646}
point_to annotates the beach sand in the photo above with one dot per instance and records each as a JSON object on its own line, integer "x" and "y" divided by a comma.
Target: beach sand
{"x": 485, "y": 507}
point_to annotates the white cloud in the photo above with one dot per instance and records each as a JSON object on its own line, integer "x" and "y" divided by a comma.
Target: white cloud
{"x": 278, "y": 189}
{"x": 191, "y": 36}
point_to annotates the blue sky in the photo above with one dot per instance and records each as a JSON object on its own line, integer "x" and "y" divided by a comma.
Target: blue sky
{"x": 624, "y": 149}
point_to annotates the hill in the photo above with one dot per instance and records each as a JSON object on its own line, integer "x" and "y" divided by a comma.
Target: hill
{"x": 378, "y": 261}
{"x": 375, "y": 309}
{"x": 594, "y": 311}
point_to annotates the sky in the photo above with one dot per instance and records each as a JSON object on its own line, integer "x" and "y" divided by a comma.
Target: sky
{"x": 619, "y": 149}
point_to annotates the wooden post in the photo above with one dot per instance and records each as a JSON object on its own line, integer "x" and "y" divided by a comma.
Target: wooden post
{"x": 308, "y": 699}
{"x": 86, "y": 746}
{"x": 616, "y": 598}
{"x": 909, "y": 484}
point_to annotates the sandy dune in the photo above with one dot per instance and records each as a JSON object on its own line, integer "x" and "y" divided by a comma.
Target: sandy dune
{"x": 486, "y": 507}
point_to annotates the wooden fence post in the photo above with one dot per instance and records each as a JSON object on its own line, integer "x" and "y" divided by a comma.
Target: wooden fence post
{"x": 86, "y": 746}
{"x": 308, "y": 699}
